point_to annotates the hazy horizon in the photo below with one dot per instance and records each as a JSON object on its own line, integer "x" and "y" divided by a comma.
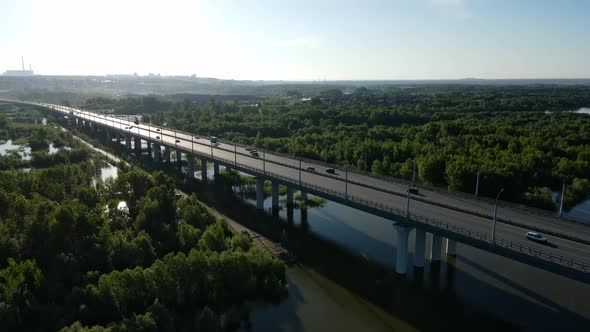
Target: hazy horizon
{"x": 300, "y": 40}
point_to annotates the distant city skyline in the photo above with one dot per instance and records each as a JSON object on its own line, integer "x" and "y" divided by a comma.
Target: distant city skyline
{"x": 300, "y": 40}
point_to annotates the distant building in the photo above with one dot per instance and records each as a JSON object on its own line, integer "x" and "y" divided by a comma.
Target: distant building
{"x": 18, "y": 73}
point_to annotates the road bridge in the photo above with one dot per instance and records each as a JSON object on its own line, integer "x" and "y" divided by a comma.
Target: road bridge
{"x": 446, "y": 218}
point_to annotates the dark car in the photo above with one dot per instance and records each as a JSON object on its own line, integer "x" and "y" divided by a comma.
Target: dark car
{"x": 178, "y": 196}
{"x": 177, "y": 141}
{"x": 255, "y": 154}
{"x": 414, "y": 190}
{"x": 157, "y": 129}
{"x": 310, "y": 168}
{"x": 157, "y": 137}
{"x": 330, "y": 170}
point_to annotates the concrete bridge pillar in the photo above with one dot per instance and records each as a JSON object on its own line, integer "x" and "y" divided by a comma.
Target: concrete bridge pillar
{"x": 289, "y": 197}
{"x": 190, "y": 167}
{"x": 157, "y": 153}
{"x": 259, "y": 193}
{"x": 138, "y": 146}
{"x": 204, "y": 170}
{"x": 419, "y": 257}
{"x": 167, "y": 155}
{"x": 451, "y": 247}
{"x": 401, "y": 261}
{"x": 275, "y": 195}
{"x": 216, "y": 170}
{"x": 128, "y": 143}
{"x": 435, "y": 249}
{"x": 149, "y": 149}
{"x": 108, "y": 133}
{"x": 178, "y": 159}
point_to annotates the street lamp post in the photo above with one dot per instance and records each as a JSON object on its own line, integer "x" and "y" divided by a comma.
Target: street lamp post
{"x": 562, "y": 199}
{"x": 494, "y": 220}
{"x": 477, "y": 185}
{"x": 410, "y": 183}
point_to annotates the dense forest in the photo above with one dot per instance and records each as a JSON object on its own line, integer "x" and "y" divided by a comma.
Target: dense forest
{"x": 524, "y": 139}
{"x": 72, "y": 258}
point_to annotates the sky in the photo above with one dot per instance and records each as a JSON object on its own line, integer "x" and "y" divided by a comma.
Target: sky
{"x": 300, "y": 39}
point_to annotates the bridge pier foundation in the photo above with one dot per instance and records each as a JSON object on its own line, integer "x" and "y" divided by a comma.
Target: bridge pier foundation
{"x": 167, "y": 155}
{"x": 190, "y": 167}
{"x": 138, "y": 147}
{"x": 157, "y": 153}
{"x": 275, "y": 196}
{"x": 289, "y": 197}
{"x": 216, "y": 170}
{"x": 204, "y": 170}
{"x": 451, "y": 247}
{"x": 419, "y": 258}
{"x": 435, "y": 248}
{"x": 259, "y": 194}
{"x": 401, "y": 261}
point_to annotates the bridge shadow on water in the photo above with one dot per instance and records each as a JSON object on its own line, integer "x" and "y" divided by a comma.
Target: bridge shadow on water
{"x": 426, "y": 299}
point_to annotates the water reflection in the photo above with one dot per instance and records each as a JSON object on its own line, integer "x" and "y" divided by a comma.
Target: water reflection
{"x": 8, "y": 146}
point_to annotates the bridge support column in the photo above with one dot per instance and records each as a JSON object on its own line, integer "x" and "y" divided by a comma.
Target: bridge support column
{"x": 167, "y": 155}
{"x": 149, "y": 149}
{"x": 451, "y": 247}
{"x": 289, "y": 197}
{"x": 401, "y": 261}
{"x": 128, "y": 143}
{"x": 178, "y": 159}
{"x": 216, "y": 170}
{"x": 420, "y": 248}
{"x": 259, "y": 193}
{"x": 138, "y": 146}
{"x": 275, "y": 195}
{"x": 190, "y": 167}
{"x": 157, "y": 153}
{"x": 204, "y": 170}
{"x": 108, "y": 133}
{"x": 435, "y": 249}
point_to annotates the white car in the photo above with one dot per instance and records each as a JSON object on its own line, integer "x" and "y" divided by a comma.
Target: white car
{"x": 535, "y": 237}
